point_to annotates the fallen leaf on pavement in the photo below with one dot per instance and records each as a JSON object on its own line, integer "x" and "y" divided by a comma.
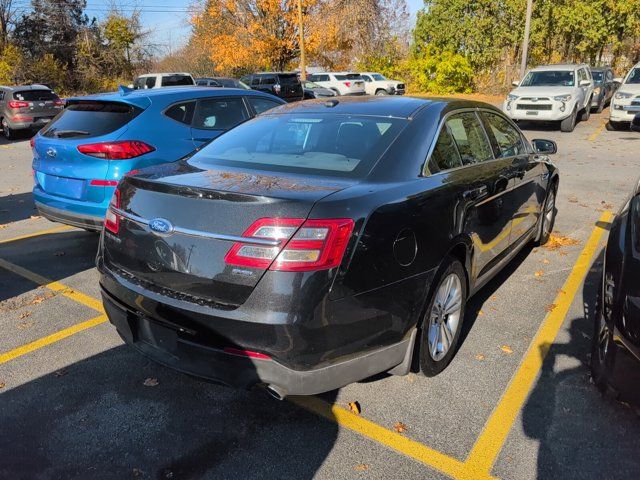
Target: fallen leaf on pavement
{"x": 61, "y": 373}
{"x": 25, "y": 325}
{"x": 479, "y": 357}
{"x": 573, "y": 199}
{"x": 506, "y": 349}
{"x": 24, "y": 315}
{"x": 605, "y": 205}
{"x": 480, "y": 313}
{"x": 550, "y": 308}
{"x": 546, "y": 261}
{"x": 400, "y": 427}
{"x": 557, "y": 241}
{"x": 539, "y": 273}
{"x": 4, "y": 225}
{"x": 361, "y": 467}
{"x": 355, "y": 407}
{"x": 150, "y": 382}
{"x": 2, "y": 384}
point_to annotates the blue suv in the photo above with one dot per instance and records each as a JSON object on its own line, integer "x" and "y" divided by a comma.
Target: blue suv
{"x": 82, "y": 154}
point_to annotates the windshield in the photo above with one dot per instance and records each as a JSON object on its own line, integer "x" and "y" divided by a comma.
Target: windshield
{"x": 634, "y": 76}
{"x": 311, "y": 85}
{"x": 314, "y": 144}
{"x": 377, "y": 76}
{"x": 549, "y": 78}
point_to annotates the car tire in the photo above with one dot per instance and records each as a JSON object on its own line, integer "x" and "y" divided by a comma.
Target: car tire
{"x": 443, "y": 318}
{"x": 381, "y": 92}
{"x": 600, "y": 106}
{"x": 568, "y": 124}
{"x": 586, "y": 112}
{"x": 548, "y": 216}
{"x": 614, "y": 126}
{"x": 603, "y": 351}
{"x": 9, "y": 134}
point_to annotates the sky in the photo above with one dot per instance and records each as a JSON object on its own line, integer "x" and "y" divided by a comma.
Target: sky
{"x": 166, "y": 20}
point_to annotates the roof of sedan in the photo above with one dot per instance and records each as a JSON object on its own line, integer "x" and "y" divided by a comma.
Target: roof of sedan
{"x": 379, "y": 106}
{"x": 178, "y": 93}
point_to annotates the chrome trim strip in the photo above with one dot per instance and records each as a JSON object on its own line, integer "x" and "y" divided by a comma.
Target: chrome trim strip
{"x": 199, "y": 233}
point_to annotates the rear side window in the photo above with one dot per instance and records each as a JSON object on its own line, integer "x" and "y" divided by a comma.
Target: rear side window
{"x": 35, "y": 95}
{"x": 176, "y": 80}
{"x": 150, "y": 82}
{"x": 262, "y": 104}
{"x": 313, "y": 144}
{"x": 268, "y": 80}
{"x": 181, "y": 112}
{"x": 288, "y": 79}
{"x": 88, "y": 119}
{"x": 349, "y": 76}
{"x": 445, "y": 154}
{"x": 470, "y": 138}
{"x": 507, "y": 140}
{"x": 219, "y": 113}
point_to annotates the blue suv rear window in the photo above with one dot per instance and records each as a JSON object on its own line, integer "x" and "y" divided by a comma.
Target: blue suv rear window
{"x": 86, "y": 119}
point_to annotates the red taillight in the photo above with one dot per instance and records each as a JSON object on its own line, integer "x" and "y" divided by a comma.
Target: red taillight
{"x": 348, "y": 84}
{"x": 305, "y": 245}
{"x": 32, "y": 142}
{"x": 121, "y": 150}
{"x": 104, "y": 183}
{"x": 16, "y": 104}
{"x": 247, "y": 353}
{"x": 112, "y": 220}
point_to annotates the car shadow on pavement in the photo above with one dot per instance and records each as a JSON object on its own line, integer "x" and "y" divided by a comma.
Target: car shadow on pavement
{"x": 117, "y": 415}
{"x": 581, "y": 433}
{"x": 55, "y": 256}
{"x": 16, "y": 207}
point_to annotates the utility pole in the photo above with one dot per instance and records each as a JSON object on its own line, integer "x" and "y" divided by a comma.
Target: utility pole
{"x": 525, "y": 41}
{"x": 303, "y": 61}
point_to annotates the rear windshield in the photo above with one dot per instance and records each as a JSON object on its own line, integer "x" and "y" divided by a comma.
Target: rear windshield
{"x": 176, "y": 80}
{"x": 288, "y": 78}
{"x": 349, "y": 76}
{"x": 598, "y": 76}
{"x": 322, "y": 144}
{"x": 35, "y": 95}
{"x": 86, "y": 119}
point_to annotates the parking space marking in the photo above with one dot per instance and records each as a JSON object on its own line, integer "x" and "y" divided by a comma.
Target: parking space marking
{"x": 53, "y": 338}
{"x": 37, "y": 234}
{"x": 490, "y": 442}
{"x": 598, "y": 131}
{"x": 401, "y": 444}
{"x": 55, "y": 286}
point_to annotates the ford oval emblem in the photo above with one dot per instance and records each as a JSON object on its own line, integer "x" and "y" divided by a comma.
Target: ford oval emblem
{"x": 51, "y": 152}
{"x": 161, "y": 226}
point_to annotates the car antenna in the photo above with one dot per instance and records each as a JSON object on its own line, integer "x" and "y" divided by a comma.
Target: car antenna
{"x": 331, "y": 103}
{"x": 124, "y": 90}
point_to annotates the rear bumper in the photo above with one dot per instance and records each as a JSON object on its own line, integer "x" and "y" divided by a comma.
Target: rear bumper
{"x": 67, "y": 217}
{"x": 170, "y": 345}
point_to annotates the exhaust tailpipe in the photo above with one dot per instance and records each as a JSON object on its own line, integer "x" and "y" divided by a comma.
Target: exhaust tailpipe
{"x": 276, "y": 392}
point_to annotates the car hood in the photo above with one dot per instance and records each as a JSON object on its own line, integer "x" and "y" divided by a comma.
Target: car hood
{"x": 542, "y": 91}
{"x": 630, "y": 88}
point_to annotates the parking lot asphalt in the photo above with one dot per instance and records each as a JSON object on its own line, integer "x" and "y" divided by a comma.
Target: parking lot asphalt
{"x": 515, "y": 403}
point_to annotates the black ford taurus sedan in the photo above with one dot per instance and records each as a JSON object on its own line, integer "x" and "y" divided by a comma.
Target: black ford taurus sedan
{"x": 323, "y": 242}
{"x": 617, "y": 319}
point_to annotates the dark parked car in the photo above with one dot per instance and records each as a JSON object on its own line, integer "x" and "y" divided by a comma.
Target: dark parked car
{"x": 313, "y": 90}
{"x": 635, "y": 123}
{"x": 323, "y": 242}
{"x": 287, "y": 86}
{"x": 221, "y": 82}
{"x": 617, "y": 319}
{"x": 27, "y": 108}
{"x": 604, "y": 89}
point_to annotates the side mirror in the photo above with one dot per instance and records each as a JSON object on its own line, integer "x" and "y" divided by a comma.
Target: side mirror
{"x": 515, "y": 83}
{"x": 635, "y": 124}
{"x": 546, "y": 147}
{"x": 585, "y": 83}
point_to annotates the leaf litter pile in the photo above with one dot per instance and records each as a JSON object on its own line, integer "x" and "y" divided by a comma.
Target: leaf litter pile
{"x": 557, "y": 241}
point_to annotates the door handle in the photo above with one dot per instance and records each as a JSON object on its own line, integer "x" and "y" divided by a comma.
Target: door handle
{"x": 476, "y": 193}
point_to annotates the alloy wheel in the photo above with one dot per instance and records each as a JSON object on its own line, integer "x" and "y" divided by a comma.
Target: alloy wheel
{"x": 444, "y": 318}
{"x": 549, "y": 212}
{"x": 604, "y": 337}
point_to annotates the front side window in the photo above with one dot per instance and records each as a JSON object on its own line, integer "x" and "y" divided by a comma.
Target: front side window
{"x": 181, "y": 112}
{"x": 445, "y": 154}
{"x": 470, "y": 138}
{"x": 549, "y": 78}
{"x": 379, "y": 77}
{"x": 582, "y": 75}
{"x": 262, "y": 104}
{"x": 268, "y": 80}
{"x": 507, "y": 140}
{"x": 366, "y": 78}
{"x": 313, "y": 144}
{"x": 219, "y": 113}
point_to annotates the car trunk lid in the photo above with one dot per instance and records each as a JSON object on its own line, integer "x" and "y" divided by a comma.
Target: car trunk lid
{"x": 175, "y": 234}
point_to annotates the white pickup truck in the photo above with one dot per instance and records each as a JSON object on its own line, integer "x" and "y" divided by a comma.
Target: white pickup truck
{"x": 552, "y": 93}
{"x": 378, "y": 84}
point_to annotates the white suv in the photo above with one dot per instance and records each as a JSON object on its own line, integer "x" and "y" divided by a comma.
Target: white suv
{"x": 552, "y": 93}
{"x": 378, "y": 84}
{"x": 626, "y": 101}
{"x": 343, "y": 83}
{"x": 158, "y": 80}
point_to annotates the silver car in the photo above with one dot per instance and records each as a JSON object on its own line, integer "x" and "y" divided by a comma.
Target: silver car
{"x": 27, "y": 108}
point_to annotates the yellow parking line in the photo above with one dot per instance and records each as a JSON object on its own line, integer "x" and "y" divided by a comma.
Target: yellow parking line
{"x": 415, "y": 450}
{"x": 490, "y": 442}
{"x": 53, "y": 338}
{"x": 68, "y": 292}
{"x": 39, "y": 233}
{"x": 598, "y": 131}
